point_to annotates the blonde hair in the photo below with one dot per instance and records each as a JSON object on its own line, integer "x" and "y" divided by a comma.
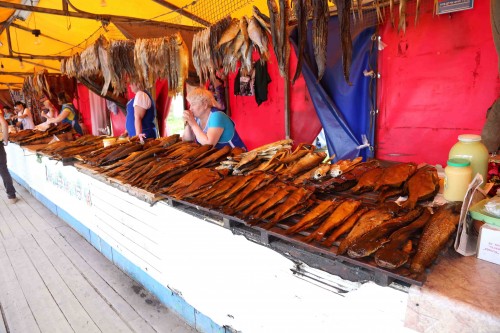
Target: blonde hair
{"x": 200, "y": 95}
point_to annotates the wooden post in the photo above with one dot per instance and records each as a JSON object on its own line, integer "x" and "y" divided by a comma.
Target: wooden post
{"x": 226, "y": 96}
{"x": 287, "y": 105}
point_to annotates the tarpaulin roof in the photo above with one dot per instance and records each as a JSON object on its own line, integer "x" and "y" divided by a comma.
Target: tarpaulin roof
{"x": 69, "y": 26}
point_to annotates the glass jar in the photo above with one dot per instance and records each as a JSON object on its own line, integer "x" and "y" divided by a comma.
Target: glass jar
{"x": 458, "y": 175}
{"x": 470, "y": 147}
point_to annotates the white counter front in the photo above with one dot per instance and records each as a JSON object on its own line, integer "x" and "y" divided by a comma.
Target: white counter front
{"x": 216, "y": 280}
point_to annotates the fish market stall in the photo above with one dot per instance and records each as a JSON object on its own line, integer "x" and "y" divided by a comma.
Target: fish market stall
{"x": 232, "y": 281}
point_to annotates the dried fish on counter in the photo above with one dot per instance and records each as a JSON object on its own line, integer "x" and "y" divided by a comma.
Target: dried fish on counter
{"x": 423, "y": 185}
{"x": 392, "y": 255}
{"x": 25, "y": 137}
{"x": 436, "y": 234}
{"x": 375, "y": 238}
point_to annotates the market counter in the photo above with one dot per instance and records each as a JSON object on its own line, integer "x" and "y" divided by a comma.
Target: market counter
{"x": 461, "y": 294}
{"x": 221, "y": 282}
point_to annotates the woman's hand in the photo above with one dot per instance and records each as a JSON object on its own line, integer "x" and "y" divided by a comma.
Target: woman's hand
{"x": 188, "y": 117}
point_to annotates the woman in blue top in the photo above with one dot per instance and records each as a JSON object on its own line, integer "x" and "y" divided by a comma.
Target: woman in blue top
{"x": 141, "y": 114}
{"x": 68, "y": 113}
{"x": 206, "y": 124}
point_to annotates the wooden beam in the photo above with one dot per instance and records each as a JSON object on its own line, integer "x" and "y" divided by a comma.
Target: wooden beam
{"x": 11, "y": 83}
{"x": 6, "y": 23}
{"x": 183, "y": 12}
{"x": 44, "y": 66}
{"x": 9, "y": 41}
{"x": 44, "y": 35}
{"x": 32, "y": 56}
{"x": 91, "y": 16}
{"x": 15, "y": 73}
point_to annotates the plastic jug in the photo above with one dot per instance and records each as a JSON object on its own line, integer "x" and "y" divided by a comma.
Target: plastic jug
{"x": 470, "y": 147}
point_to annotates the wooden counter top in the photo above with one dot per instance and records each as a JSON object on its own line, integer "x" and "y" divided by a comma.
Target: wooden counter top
{"x": 461, "y": 294}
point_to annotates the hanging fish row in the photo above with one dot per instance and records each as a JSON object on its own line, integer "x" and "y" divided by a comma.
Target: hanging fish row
{"x": 227, "y": 42}
{"x": 141, "y": 61}
{"x": 37, "y": 83}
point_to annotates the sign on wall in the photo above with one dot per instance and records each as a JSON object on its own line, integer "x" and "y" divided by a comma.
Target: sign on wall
{"x": 448, "y": 6}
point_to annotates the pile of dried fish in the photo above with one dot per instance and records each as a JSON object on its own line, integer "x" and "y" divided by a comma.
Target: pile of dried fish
{"x": 156, "y": 169}
{"x": 67, "y": 149}
{"x": 276, "y": 188}
{"x": 25, "y": 137}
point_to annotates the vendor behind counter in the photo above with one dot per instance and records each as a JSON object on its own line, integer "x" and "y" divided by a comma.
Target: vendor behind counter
{"x": 207, "y": 125}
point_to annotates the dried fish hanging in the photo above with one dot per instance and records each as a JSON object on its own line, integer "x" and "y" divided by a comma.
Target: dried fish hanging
{"x": 103, "y": 53}
{"x": 237, "y": 41}
{"x": 207, "y": 51}
{"x": 163, "y": 58}
{"x": 258, "y": 36}
{"x": 71, "y": 65}
{"x": 301, "y": 8}
{"x": 343, "y": 7}
{"x": 89, "y": 60}
{"x": 121, "y": 59}
{"x": 280, "y": 33}
{"x": 320, "y": 19}
{"x": 36, "y": 85}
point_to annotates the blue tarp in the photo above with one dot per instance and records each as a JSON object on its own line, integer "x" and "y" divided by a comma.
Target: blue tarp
{"x": 346, "y": 112}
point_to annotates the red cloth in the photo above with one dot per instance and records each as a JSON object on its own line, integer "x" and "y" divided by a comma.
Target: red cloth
{"x": 258, "y": 125}
{"x": 437, "y": 82}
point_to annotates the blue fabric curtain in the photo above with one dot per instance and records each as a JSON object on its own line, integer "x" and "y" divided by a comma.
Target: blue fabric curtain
{"x": 346, "y": 112}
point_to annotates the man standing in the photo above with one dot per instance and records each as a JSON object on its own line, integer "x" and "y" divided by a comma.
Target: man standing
{"x": 4, "y": 171}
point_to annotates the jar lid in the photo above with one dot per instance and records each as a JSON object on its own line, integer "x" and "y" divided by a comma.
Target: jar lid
{"x": 469, "y": 138}
{"x": 458, "y": 162}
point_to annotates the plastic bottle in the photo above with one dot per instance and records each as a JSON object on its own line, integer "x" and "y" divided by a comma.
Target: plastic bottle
{"x": 470, "y": 147}
{"x": 458, "y": 175}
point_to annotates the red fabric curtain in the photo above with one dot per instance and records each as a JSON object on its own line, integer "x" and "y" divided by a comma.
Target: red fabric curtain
{"x": 437, "y": 82}
{"x": 83, "y": 105}
{"x": 258, "y": 125}
{"x": 163, "y": 101}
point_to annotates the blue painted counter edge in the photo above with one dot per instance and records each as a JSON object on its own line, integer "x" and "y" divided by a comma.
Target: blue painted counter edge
{"x": 171, "y": 299}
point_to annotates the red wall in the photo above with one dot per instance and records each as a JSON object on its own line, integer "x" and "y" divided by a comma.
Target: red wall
{"x": 437, "y": 82}
{"x": 258, "y": 125}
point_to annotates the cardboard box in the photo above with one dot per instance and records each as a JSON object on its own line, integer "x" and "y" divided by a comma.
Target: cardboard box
{"x": 489, "y": 243}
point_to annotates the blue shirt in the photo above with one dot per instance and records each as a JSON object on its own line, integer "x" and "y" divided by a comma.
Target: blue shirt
{"x": 148, "y": 125}
{"x": 72, "y": 118}
{"x": 229, "y": 136}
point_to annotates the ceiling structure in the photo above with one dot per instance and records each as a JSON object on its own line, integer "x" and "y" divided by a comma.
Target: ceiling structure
{"x": 36, "y": 34}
